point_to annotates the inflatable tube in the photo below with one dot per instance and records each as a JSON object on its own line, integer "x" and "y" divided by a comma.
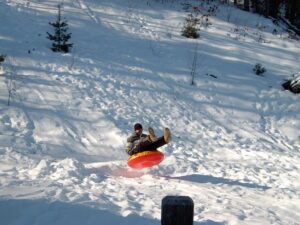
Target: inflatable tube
{"x": 145, "y": 159}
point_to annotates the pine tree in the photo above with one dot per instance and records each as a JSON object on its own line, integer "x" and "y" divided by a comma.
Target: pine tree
{"x": 273, "y": 9}
{"x": 264, "y": 7}
{"x": 190, "y": 29}
{"x": 297, "y": 14}
{"x": 288, "y": 9}
{"x": 292, "y": 11}
{"x": 258, "y": 6}
{"x": 60, "y": 38}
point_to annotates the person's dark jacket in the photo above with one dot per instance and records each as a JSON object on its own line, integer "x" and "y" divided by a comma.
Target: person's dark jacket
{"x": 133, "y": 141}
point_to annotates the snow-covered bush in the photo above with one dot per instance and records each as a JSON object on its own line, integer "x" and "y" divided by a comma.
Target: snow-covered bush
{"x": 293, "y": 85}
{"x": 190, "y": 29}
{"x": 205, "y": 22}
{"x": 259, "y": 69}
{"x": 60, "y": 38}
{"x": 238, "y": 33}
{"x": 2, "y": 59}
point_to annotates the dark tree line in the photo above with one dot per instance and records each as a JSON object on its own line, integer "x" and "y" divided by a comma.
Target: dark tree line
{"x": 292, "y": 11}
{"x": 273, "y": 8}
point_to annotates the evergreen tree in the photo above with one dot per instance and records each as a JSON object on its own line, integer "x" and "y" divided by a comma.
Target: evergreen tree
{"x": 60, "y": 38}
{"x": 288, "y": 9}
{"x": 264, "y": 7}
{"x": 190, "y": 29}
{"x": 292, "y": 11}
{"x": 258, "y": 6}
{"x": 273, "y": 8}
{"x": 297, "y": 14}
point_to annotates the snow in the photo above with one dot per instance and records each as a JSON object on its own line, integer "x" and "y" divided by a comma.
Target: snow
{"x": 235, "y": 135}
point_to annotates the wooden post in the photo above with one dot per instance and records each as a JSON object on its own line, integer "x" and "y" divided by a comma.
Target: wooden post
{"x": 177, "y": 210}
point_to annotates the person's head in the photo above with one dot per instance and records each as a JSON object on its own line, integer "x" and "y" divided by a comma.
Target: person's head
{"x": 138, "y": 128}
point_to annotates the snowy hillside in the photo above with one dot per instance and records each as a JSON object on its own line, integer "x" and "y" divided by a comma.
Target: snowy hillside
{"x": 235, "y": 146}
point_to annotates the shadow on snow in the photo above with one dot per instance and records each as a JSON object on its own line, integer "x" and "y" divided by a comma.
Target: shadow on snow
{"x": 218, "y": 180}
{"x": 14, "y": 211}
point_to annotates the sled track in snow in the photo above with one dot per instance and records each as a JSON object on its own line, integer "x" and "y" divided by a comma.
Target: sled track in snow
{"x": 84, "y": 7}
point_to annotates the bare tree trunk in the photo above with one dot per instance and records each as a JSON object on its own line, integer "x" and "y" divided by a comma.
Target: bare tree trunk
{"x": 194, "y": 65}
{"x": 273, "y": 8}
{"x": 266, "y": 7}
{"x": 247, "y": 5}
{"x": 288, "y": 9}
{"x": 297, "y": 12}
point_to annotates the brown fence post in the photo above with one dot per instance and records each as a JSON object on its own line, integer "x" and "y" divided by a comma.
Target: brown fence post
{"x": 177, "y": 210}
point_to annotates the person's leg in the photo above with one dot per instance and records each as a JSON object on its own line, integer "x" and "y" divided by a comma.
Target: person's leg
{"x": 167, "y": 135}
{"x": 152, "y": 135}
{"x": 146, "y": 146}
{"x": 130, "y": 152}
{"x": 144, "y": 142}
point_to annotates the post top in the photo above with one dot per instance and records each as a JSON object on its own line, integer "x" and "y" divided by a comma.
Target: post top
{"x": 177, "y": 200}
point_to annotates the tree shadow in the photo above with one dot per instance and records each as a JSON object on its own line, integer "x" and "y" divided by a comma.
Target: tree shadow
{"x": 20, "y": 211}
{"x": 24, "y": 211}
{"x": 219, "y": 180}
{"x": 209, "y": 222}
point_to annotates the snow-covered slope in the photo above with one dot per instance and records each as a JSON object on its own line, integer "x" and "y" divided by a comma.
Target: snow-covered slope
{"x": 235, "y": 147}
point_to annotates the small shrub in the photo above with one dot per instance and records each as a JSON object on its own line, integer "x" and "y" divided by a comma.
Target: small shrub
{"x": 205, "y": 22}
{"x": 190, "y": 29}
{"x": 190, "y": 32}
{"x": 2, "y": 58}
{"x": 238, "y": 33}
{"x": 259, "y": 69}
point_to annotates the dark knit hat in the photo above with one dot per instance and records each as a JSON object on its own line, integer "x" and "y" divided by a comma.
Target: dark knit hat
{"x": 138, "y": 126}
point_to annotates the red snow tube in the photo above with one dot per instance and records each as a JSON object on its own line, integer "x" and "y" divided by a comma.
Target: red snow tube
{"x": 145, "y": 159}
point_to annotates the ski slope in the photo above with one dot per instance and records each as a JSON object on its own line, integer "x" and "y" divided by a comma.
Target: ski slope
{"x": 235, "y": 146}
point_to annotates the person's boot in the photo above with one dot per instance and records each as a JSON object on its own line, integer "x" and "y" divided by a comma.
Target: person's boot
{"x": 167, "y": 135}
{"x": 152, "y": 135}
